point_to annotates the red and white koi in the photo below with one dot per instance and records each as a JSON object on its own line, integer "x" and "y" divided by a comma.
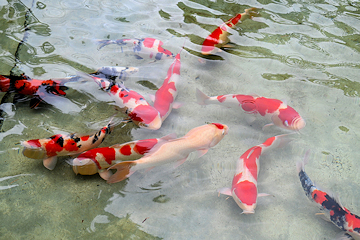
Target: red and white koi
{"x": 97, "y": 160}
{"x": 177, "y": 150}
{"x": 219, "y": 37}
{"x": 131, "y": 103}
{"x": 147, "y": 47}
{"x": 164, "y": 100}
{"x": 50, "y": 148}
{"x": 244, "y": 185}
{"x": 277, "y": 111}
{"x": 330, "y": 205}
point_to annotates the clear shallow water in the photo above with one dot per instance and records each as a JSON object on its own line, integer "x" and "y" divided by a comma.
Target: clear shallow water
{"x": 304, "y": 53}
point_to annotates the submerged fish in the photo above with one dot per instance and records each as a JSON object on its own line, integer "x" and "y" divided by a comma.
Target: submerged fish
{"x": 131, "y": 103}
{"x": 277, "y": 111}
{"x": 50, "y": 148}
{"x": 330, "y": 205}
{"x": 219, "y": 37}
{"x": 39, "y": 89}
{"x": 146, "y": 47}
{"x": 244, "y": 185}
{"x": 164, "y": 100}
{"x": 177, "y": 150}
{"x": 97, "y": 160}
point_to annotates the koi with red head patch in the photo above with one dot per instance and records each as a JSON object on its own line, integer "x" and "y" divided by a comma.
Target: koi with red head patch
{"x": 50, "y": 148}
{"x": 97, "y": 160}
{"x": 330, "y": 205}
{"x": 131, "y": 103}
{"x": 145, "y": 47}
{"x": 38, "y": 89}
{"x": 219, "y": 37}
{"x": 277, "y": 111}
{"x": 244, "y": 185}
{"x": 164, "y": 100}
{"x": 176, "y": 150}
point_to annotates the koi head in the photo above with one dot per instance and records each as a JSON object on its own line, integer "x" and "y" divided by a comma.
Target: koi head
{"x": 146, "y": 116}
{"x": 245, "y": 195}
{"x": 289, "y": 119}
{"x": 4, "y": 83}
{"x": 33, "y": 149}
{"x": 83, "y": 166}
{"x": 220, "y": 131}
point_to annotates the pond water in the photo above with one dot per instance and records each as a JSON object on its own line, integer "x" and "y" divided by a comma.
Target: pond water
{"x": 305, "y": 53}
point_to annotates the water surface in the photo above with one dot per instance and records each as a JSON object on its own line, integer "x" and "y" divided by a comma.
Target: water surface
{"x": 305, "y": 53}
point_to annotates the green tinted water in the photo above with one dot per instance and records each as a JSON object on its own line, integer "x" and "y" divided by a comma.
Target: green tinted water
{"x": 306, "y": 53}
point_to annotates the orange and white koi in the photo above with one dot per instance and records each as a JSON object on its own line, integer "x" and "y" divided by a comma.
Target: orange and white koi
{"x": 147, "y": 47}
{"x": 177, "y": 150}
{"x": 330, "y": 205}
{"x": 219, "y": 37}
{"x": 244, "y": 185}
{"x": 50, "y": 148}
{"x": 164, "y": 100}
{"x": 277, "y": 111}
{"x": 97, "y": 160}
{"x": 131, "y": 103}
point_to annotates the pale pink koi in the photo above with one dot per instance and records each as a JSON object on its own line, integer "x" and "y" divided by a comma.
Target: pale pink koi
{"x": 177, "y": 150}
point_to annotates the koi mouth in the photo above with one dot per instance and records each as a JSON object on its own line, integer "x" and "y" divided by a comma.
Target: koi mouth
{"x": 298, "y": 123}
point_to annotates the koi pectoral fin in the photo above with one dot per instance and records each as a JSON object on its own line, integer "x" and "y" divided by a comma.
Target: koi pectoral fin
{"x": 50, "y": 162}
{"x": 123, "y": 171}
{"x": 225, "y": 191}
{"x": 104, "y": 174}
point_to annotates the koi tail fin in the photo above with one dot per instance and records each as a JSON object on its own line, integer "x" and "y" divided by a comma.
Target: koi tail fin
{"x": 201, "y": 97}
{"x": 300, "y": 165}
{"x": 123, "y": 171}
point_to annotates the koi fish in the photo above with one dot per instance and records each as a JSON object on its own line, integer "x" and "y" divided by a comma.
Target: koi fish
{"x": 244, "y": 185}
{"x": 147, "y": 47}
{"x": 277, "y": 111}
{"x": 131, "y": 103}
{"x": 177, "y": 150}
{"x": 219, "y": 37}
{"x": 97, "y": 160}
{"x": 331, "y": 206}
{"x": 110, "y": 72}
{"x": 50, "y": 148}
{"x": 38, "y": 89}
{"x": 164, "y": 100}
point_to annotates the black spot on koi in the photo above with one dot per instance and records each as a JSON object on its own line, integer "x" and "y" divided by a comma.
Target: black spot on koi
{"x": 60, "y": 141}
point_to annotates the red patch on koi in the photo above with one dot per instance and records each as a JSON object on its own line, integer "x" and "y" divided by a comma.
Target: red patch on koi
{"x": 34, "y": 143}
{"x": 352, "y": 221}
{"x": 218, "y": 125}
{"x": 4, "y": 83}
{"x": 125, "y": 150}
{"x": 288, "y": 114}
{"x": 70, "y": 145}
{"x": 319, "y": 196}
{"x": 236, "y": 179}
{"x": 149, "y": 42}
{"x": 106, "y": 152}
{"x": 267, "y": 105}
{"x": 148, "y": 114}
{"x": 247, "y": 192}
{"x": 250, "y": 161}
{"x": 114, "y": 89}
{"x": 143, "y": 146}
{"x": 269, "y": 141}
{"x": 52, "y": 147}
{"x": 221, "y": 98}
{"x": 84, "y": 138}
